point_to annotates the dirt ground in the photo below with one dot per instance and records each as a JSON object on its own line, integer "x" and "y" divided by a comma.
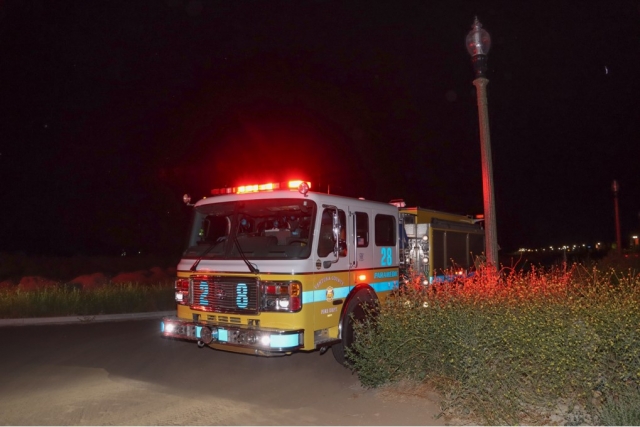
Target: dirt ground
{"x": 55, "y": 395}
{"x": 124, "y": 373}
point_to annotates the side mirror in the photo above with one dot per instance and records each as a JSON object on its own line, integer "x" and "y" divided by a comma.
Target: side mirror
{"x": 187, "y": 200}
{"x": 336, "y": 234}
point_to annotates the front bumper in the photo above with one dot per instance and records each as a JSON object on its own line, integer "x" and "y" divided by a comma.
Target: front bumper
{"x": 262, "y": 341}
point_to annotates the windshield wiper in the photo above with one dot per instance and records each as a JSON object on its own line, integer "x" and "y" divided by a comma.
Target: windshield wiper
{"x": 252, "y": 267}
{"x": 234, "y": 236}
{"x": 202, "y": 255}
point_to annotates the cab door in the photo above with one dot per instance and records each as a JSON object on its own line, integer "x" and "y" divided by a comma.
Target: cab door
{"x": 361, "y": 256}
{"x": 332, "y": 253}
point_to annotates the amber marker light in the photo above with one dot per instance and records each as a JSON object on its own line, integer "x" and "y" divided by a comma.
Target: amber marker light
{"x": 362, "y": 277}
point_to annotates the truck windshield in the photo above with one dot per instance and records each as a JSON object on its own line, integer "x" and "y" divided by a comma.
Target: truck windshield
{"x": 265, "y": 229}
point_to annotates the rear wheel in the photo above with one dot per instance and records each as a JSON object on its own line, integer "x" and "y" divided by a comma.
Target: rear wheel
{"x": 358, "y": 307}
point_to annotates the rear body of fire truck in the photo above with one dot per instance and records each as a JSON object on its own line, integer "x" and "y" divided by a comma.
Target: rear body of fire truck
{"x": 278, "y": 271}
{"x": 437, "y": 245}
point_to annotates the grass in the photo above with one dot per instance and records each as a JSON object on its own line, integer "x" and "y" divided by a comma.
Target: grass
{"x": 621, "y": 410}
{"x": 69, "y": 301}
{"x": 540, "y": 347}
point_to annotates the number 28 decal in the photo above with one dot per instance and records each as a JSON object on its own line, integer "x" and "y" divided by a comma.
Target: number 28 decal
{"x": 242, "y": 294}
{"x": 386, "y": 260}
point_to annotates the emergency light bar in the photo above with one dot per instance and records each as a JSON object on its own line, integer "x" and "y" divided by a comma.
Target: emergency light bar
{"x": 256, "y": 188}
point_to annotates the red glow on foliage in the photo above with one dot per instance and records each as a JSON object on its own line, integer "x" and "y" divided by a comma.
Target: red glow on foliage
{"x": 488, "y": 286}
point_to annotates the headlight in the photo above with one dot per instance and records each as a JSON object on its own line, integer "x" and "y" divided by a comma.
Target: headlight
{"x": 283, "y": 303}
{"x": 282, "y": 296}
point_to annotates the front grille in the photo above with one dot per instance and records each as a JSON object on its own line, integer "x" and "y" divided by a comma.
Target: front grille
{"x": 225, "y": 294}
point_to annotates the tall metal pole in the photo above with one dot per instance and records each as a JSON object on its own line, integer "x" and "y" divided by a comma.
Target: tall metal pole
{"x": 491, "y": 233}
{"x": 478, "y": 44}
{"x": 615, "y": 189}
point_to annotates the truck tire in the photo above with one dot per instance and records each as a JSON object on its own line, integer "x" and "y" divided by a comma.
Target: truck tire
{"x": 356, "y": 310}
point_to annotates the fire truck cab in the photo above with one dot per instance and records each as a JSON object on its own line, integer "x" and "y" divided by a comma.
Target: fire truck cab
{"x": 275, "y": 268}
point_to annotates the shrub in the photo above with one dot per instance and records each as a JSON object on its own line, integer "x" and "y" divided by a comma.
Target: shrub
{"x": 508, "y": 347}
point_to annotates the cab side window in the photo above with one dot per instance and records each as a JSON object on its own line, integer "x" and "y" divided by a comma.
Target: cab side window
{"x": 385, "y": 230}
{"x": 362, "y": 229}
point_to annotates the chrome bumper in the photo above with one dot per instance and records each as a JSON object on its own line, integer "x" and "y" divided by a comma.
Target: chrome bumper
{"x": 260, "y": 339}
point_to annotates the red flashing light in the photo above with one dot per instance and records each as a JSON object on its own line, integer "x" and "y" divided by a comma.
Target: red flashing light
{"x": 256, "y": 188}
{"x": 293, "y": 185}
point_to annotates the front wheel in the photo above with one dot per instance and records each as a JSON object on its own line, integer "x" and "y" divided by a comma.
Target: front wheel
{"x": 362, "y": 303}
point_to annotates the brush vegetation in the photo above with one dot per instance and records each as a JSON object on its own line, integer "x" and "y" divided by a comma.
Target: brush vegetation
{"x": 68, "y": 300}
{"x": 545, "y": 346}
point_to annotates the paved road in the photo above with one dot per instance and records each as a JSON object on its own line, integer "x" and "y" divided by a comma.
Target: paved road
{"x": 124, "y": 373}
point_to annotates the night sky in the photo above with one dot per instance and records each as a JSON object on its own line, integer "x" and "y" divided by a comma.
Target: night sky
{"x": 111, "y": 110}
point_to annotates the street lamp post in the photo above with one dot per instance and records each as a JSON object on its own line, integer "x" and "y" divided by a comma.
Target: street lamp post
{"x": 478, "y": 45}
{"x": 615, "y": 188}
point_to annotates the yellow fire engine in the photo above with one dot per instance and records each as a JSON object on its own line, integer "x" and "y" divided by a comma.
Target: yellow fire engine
{"x": 275, "y": 268}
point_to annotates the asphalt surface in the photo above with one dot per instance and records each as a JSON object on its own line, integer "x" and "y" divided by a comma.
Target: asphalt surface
{"x": 84, "y": 319}
{"x": 103, "y": 372}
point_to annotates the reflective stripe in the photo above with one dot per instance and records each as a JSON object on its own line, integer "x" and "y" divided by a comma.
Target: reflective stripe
{"x": 283, "y": 341}
{"x": 338, "y": 293}
{"x": 384, "y": 286}
{"x": 321, "y": 295}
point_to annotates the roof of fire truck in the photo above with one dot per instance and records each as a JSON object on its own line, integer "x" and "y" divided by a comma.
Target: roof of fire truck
{"x": 298, "y": 188}
{"x": 293, "y": 189}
